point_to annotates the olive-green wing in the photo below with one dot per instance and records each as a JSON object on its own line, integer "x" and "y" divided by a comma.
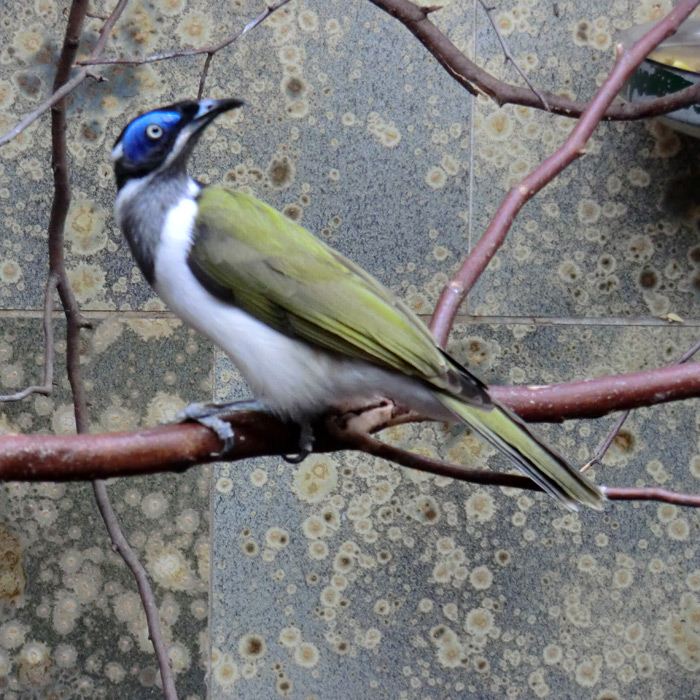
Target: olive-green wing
{"x": 254, "y": 257}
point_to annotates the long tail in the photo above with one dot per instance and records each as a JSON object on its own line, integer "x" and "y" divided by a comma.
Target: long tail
{"x": 508, "y": 433}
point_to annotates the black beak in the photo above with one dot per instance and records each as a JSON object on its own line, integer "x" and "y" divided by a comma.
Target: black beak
{"x": 211, "y": 109}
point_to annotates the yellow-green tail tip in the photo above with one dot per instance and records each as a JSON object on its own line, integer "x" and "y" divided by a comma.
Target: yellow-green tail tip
{"x": 544, "y": 466}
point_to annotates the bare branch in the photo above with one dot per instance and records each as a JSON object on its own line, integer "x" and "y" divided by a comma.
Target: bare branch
{"x": 605, "y": 446}
{"x": 593, "y": 398}
{"x": 177, "y": 447}
{"x": 67, "y": 86}
{"x": 179, "y": 53}
{"x": 494, "y": 236}
{"x": 74, "y": 319}
{"x": 476, "y": 80}
{"x": 166, "y": 448}
{"x": 49, "y": 345}
{"x": 148, "y": 600}
{"x": 619, "y": 493}
{"x": 509, "y": 56}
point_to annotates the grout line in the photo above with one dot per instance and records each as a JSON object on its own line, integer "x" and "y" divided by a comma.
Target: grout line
{"x": 472, "y": 146}
{"x": 466, "y": 319}
{"x": 574, "y": 321}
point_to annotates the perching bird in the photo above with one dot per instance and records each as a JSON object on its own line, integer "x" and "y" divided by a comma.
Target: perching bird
{"x": 307, "y": 328}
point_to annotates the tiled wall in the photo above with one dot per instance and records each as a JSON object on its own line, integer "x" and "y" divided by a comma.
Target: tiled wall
{"x": 347, "y": 577}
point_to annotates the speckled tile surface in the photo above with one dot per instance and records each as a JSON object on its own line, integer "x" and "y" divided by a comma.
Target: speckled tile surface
{"x": 71, "y": 623}
{"x": 348, "y": 577}
{"x": 616, "y": 233}
{"x": 345, "y": 577}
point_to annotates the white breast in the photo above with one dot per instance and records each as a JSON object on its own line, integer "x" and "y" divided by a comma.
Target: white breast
{"x": 287, "y": 376}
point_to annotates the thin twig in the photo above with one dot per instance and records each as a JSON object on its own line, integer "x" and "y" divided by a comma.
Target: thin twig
{"x": 214, "y": 49}
{"x": 509, "y": 56}
{"x": 148, "y": 600}
{"x": 605, "y": 445}
{"x": 623, "y": 493}
{"x": 494, "y": 236}
{"x": 46, "y": 387}
{"x": 179, "y": 53}
{"x": 203, "y": 76}
{"x": 95, "y": 59}
{"x": 365, "y": 443}
{"x": 477, "y": 81}
{"x": 67, "y": 86}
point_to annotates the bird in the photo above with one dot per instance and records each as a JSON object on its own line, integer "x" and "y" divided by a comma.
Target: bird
{"x": 308, "y": 329}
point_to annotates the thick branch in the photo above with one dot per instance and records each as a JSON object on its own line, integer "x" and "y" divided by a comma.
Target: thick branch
{"x": 593, "y": 398}
{"x": 600, "y": 452}
{"x": 475, "y": 79}
{"x": 178, "y": 447}
{"x": 167, "y": 448}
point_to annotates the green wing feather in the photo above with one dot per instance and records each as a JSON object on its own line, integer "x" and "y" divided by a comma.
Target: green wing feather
{"x": 250, "y": 254}
{"x": 282, "y": 275}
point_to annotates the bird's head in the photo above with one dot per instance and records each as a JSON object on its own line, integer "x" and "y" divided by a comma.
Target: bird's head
{"x": 165, "y": 137}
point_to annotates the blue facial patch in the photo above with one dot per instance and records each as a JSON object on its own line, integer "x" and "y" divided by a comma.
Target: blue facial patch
{"x": 136, "y": 142}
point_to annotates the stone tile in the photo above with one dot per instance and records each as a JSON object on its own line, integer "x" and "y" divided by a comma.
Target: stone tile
{"x": 71, "y": 623}
{"x": 348, "y": 577}
{"x": 341, "y": 577}
{"x": 373, "y": 161}
{"x": 615, "y": 234}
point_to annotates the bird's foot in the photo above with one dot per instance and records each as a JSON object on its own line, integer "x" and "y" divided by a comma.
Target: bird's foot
{"x": 306, "y": 444}
{"x": 212, "y": 416}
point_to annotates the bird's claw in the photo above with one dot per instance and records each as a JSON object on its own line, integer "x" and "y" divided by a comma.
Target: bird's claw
{"x": 223, "y": 430}
{"x": 306, "y": 445}
{"x": 208, "y": 415}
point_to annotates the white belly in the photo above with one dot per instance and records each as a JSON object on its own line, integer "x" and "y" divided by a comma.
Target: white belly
{"x": 288, "y": 376}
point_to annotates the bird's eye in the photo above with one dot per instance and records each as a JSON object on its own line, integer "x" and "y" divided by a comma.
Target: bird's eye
{"x": 154, "y": 131}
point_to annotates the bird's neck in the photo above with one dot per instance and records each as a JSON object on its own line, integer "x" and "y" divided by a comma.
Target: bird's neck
{"x": 141, "y": 208}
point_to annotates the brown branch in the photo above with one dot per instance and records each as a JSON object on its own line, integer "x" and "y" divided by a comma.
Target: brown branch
{"x": 476, "y": 80}
{"x": 365, "y": 443}
{"x": 621, "y": 493}
{"x": 494, "y": 236}
{"x": 148, "y": 599}
{"x": 175, "y": 448}
{"x": 368, "y": 444}
{"x": 166, "y": 448}
{"x": 203, "y": 76}
{"x": 46, "y": 387}
{"x": 509, "y": 56}
{"x": 68, "y": 458}
{"x": 593, "y": 398}
{"x": 74, "y": 320}
{"x": 605, "y": 445}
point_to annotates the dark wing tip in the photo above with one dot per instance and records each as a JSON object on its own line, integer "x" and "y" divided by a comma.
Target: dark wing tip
{"x": 461, "y": 382}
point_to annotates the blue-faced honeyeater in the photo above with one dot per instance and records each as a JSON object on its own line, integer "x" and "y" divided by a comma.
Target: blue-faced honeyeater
{"x": 308, "y": 329}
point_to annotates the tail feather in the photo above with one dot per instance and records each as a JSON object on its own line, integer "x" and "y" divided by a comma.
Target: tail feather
{"x": 510, "y": 435}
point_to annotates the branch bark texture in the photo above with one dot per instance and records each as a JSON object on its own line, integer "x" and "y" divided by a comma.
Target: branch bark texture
{"x": 476, "y": 80}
